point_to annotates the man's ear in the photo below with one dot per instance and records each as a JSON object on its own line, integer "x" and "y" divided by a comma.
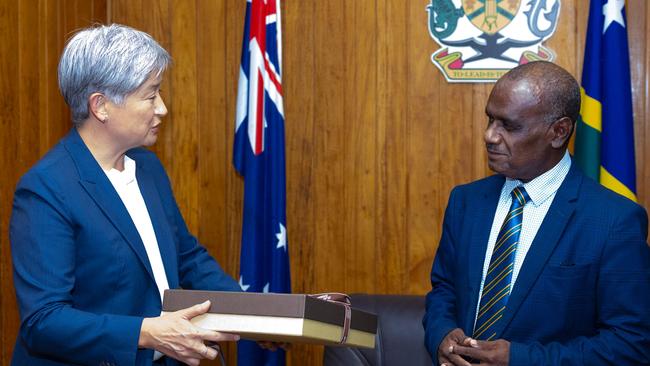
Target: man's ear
{"x": 97, "y": 106}
{"x": 561, "y": 132}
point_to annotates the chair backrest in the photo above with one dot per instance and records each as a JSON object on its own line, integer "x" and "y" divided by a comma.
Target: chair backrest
{"x": 400, "y": 336}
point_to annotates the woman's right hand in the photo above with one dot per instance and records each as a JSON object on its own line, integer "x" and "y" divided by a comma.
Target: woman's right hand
{"x": 175, "y": 336}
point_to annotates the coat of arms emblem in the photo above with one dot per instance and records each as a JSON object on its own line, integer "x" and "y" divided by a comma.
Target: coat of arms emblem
{"x": 480, "y": 40}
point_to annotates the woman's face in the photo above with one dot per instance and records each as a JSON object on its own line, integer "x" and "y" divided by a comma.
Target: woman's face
{"x": 137, "y": 121}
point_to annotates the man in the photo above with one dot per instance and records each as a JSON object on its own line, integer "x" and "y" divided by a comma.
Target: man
{"x": 538, "y": 265}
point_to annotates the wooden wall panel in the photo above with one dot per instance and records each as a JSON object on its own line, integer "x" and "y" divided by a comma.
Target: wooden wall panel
{"x": 299, "y": 56}
{"x": 183, "y": 124}
{"x": 359, "y": 127}
{"x": 638, "y": 35}
{"x": 391, "y": 244}
{"x": 330, "y": 130}
{"x": 33, "y": 115}
{"x": 9, "y": 117}
{"x": 211, "y": 107}
{"x": 235, "y": 11}
{"x": 640, "y": 84}
{"x": 299, "y": 49}
{"x": 375, "y": 136}
{"x": 426, "y": 111}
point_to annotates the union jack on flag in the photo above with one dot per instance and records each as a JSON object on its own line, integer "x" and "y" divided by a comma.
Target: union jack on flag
{"x": 259, "y": 157}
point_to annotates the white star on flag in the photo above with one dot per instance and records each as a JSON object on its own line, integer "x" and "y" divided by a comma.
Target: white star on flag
{"x": 241, "y": 284}
{"x": 282, "y": 237}
{"x": 613, "y": 12}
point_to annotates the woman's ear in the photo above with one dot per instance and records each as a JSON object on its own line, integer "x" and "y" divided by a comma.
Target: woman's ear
{"x": 97, "y": 106}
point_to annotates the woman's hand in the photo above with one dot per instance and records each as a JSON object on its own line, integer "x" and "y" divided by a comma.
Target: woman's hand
{"x": 174, "y": 335}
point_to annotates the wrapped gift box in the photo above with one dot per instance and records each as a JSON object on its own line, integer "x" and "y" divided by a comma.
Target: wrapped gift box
{"x": 278, "y": 317}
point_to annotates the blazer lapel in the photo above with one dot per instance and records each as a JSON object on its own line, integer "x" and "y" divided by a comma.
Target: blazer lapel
{"x": 483, "y": 211}
{"x": 547, "y": 238}
{"x": 160, "y": 223}
{"x": 100, "y": 189}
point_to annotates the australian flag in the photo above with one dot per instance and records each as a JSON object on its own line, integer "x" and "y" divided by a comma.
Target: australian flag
{"x": 259, "y": 157}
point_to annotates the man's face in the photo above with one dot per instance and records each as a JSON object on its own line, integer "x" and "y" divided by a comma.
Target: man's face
{"x": 517, "y": 138}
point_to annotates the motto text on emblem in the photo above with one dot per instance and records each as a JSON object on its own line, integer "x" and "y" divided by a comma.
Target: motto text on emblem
{"x": 480, "y": 40}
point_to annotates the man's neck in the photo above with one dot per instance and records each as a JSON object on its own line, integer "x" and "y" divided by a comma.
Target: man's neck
{"x": 552, "y": 163}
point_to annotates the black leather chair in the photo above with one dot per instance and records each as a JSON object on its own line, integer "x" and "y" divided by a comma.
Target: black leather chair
{"x": 400, "y": 336}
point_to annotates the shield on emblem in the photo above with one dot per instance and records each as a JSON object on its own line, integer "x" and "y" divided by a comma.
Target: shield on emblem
{"x": 490, "y": 16}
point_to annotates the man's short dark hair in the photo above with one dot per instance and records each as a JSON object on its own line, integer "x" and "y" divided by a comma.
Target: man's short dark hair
{"x": 559, "y": 90}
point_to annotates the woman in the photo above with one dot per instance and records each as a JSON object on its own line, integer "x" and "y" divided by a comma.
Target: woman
{"x": 96, "y": 234}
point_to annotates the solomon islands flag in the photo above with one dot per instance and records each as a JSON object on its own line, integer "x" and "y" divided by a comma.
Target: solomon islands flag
{"x": 604, "y": 145}
{"x": 259, "y": 157}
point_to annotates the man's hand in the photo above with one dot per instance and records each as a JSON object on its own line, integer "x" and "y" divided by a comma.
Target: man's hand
{"x": 490, "y": 353}
{"x": 174, "y": 335}
{"x": 446, "y": 355}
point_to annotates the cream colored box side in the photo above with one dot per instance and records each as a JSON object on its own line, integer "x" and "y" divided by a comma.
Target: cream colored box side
{"x": 283, "y": 329}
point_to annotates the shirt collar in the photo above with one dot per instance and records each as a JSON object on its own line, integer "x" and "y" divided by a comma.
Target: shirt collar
{"x": 125, "y": 176}
{"x": 544, "y": 186}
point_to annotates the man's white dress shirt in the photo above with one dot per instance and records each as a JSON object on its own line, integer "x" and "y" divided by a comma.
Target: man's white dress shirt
{"x": 542, "y": 191}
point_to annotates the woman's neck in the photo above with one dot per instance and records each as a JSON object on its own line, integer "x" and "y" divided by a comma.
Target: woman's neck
{"x": 107, "y": 155}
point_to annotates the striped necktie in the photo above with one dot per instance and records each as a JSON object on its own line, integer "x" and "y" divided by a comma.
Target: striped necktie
{"x": 496, "y": 287}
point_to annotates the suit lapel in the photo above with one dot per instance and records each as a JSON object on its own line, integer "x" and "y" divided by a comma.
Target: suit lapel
{"x": 483, "y": 210}
{"x": 160, "y": 223}
{"x": 547, "y": 238}
{"x": 100, "y": 189}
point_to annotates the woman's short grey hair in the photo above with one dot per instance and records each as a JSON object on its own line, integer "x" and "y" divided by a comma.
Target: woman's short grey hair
{"x": 113, "y": 60}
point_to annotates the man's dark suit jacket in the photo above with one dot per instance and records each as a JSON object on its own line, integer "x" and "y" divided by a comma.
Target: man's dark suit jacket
{"x": 82, "y": 276}
{"x": 582, "y": 296}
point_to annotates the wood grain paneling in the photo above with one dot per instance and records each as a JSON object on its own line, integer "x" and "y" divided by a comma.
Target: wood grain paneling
{"x": 637, "y": 35}
{"x": 9, "y": 117}
{"x": 375, "y": 136}
{"x": 299, "y": 48}
{"x": 359, "y": 126}
{"x": 391, "y": 147}
{"x": 426, "y": 112}
{"x": 33, "y": 116}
